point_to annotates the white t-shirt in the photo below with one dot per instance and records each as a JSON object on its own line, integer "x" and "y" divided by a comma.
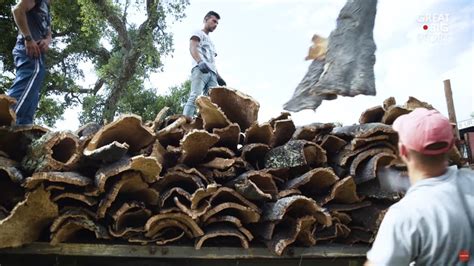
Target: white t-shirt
{"x": 206, "y": 50}
{"x": 429, "y": 225}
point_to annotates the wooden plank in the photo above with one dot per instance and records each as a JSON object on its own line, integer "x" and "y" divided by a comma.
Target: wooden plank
{"x": 188, "y": 252}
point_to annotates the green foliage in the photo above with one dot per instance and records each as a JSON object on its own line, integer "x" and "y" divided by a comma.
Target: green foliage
{"x": 140, "y": 101}
{"x": 49, "y": 111}
{"x": 92, "y": 108}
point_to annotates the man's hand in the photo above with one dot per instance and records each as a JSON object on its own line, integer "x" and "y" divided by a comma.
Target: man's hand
{"x": 203, "y": 67}
{"x": 44, "y": 44}
{"x": 32, "y": 49}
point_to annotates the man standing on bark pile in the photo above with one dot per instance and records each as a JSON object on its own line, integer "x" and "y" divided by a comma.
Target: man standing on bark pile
{"x": 33, "y": 20}
{"x": 204, "y": 74}
{"x": 433, "y": 223}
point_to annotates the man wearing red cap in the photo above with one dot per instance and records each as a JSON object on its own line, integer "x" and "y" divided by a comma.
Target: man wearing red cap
{"x": 433, "y": 223}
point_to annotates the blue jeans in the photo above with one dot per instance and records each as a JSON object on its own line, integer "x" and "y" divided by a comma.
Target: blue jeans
{"x": 200, "y": 84}
{"x": 30, "y": 73}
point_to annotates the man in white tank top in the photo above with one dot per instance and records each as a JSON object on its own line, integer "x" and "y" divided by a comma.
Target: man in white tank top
{"x": 204, "y": 73}
{"x": 432, "y": 224}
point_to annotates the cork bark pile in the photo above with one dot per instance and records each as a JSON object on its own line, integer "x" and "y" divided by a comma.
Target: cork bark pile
{"x": 222, "y": 178}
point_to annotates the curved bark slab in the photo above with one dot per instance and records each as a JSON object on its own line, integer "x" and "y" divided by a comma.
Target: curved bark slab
{"x": 225, "y": 194}
{"x": 288, "y": 193}
{"x": 189, "y": 171}
{"x": 237, "y": 106}
{"x": 229, "y": 220}
{"x": 195, "y": 212}
{"x": 172, "y": 133}
{"x": 159, "y": 119}
{"x": 167, "y": 197}
{"x": 128, "y": 129}
{"x": 393, "y": 113}
{"x": 254, "y": 154}
{"x": 188, "y": 182}
{"x": 9, "y": 168}
{"x": 195, "y": 146}
{"x": 70, "y": 213}
{"x": 387, "y": 103}
{"x": 255, "y": 185}
{"x": 368, "y": 170}
{"x": 212, "y": 115}
{"x": 154, "y": 224}
{"x": 282, "y": 116}
{"x": 15, "y": 141}
{"x": 314, "y": 182}
{"x": 73, "y": 228}
{"x": 221, "y": 152}
{"x": 65, "y": 198}
{"x": 168, "y": 231}
{"x": 54, "y": 151}
{"x": 305, "y": 235}
{"x": 87, "y": 131}
{"x": 369, "y": 217}
{"x": 221, "y": 231}
{"x": 357, "y": 143}
{"x": 132, "y": 186}
{"x": 372, "y": 189}
{"x": 365, "y": 156}
{"x": 345, "y": 156}
{"x": 341, "y": 217}
{"x": 7, "y": 114}
{"x": 258, "y": 134}
{"x": 337, "y": 230}
{"x": 359, "y": 235}
{"x": 350, "y": 59}
{"x": 129, "y": 219}
{"x": 244, "y": 213}
{"x": 363, "y": 131}
{"x": 294, "y": 207}
{"x": 332, "y": 144}
{"x": 28, "y": 219}
{"x": 291, "y": 230}
{"x": 228, "y": 136}
{"x": 158, "y": 152}
{"x": 372, "y": 115}
{"x": 305, "y": 133}
{"x": 219, "y": 163}
{"x": 148, "y": 167}
{"x": 414, "y": 103}
{"x": 108, "y": 153}
{"x": 295, "y": 153}
{"x": 282, "y": 133}
{"x": 71, "y": 178}
{"x": 11, "y": 191}
{"x": 344, "y": 191}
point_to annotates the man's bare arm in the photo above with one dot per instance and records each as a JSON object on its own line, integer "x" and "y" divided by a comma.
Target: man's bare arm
{"x": 19, "y": 14}
{"x": 193, "y": 45}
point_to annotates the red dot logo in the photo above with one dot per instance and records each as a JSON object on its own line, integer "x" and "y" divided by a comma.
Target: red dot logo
{"x": 425, "y": 27}
{"x": 464, "y": 255}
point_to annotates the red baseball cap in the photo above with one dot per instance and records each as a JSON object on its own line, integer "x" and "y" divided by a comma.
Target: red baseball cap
{"x": 421, "y": 128}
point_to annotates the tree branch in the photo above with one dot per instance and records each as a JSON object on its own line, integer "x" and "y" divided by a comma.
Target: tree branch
{"x": 115, "y": 21}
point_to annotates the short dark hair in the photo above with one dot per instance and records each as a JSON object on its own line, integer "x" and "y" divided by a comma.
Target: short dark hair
{"x": 211, "y": 13}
